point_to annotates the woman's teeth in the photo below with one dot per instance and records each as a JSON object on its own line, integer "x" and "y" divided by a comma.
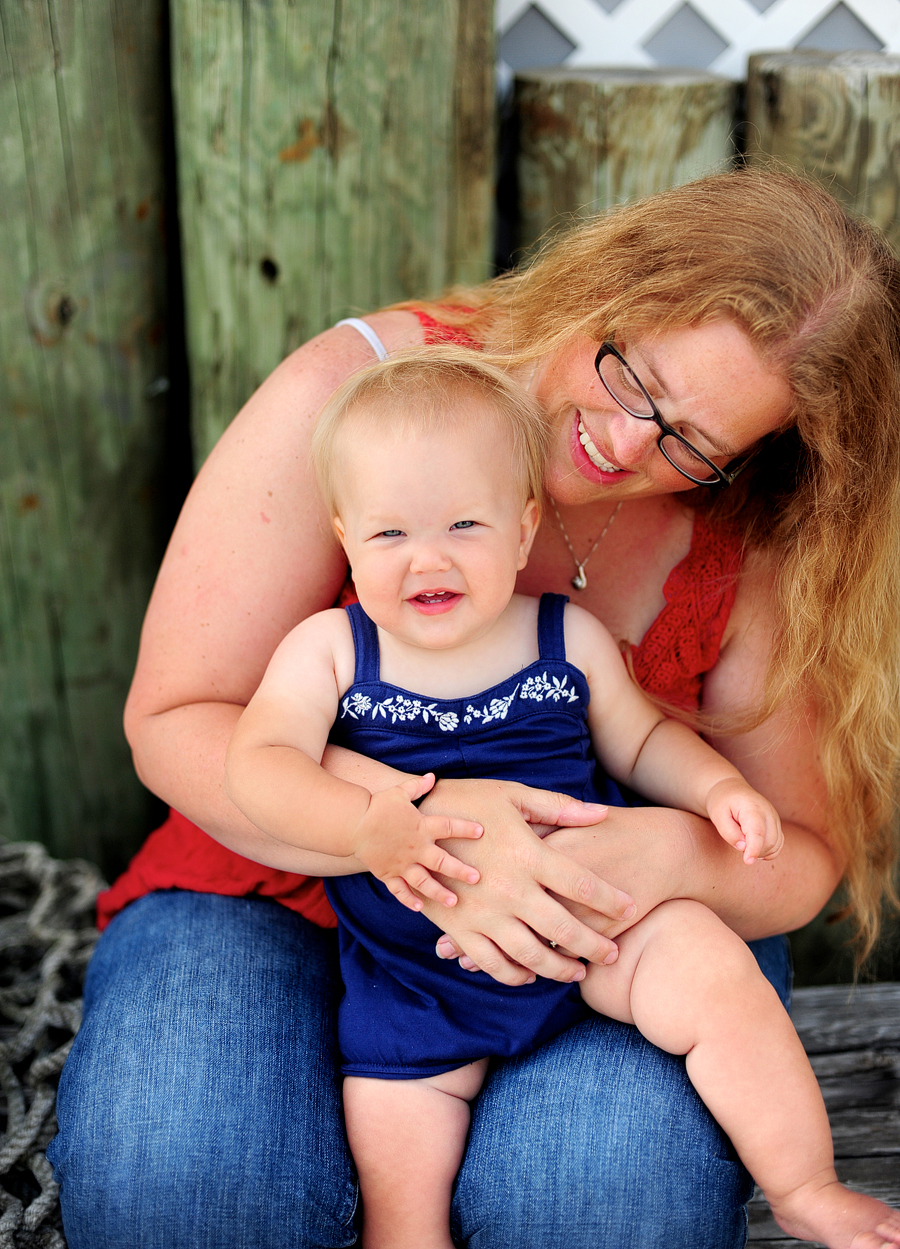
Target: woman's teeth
{"x": 592, "y": 453}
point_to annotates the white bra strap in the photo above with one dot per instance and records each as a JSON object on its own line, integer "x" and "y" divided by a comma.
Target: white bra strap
{"x": 368, "y": 334}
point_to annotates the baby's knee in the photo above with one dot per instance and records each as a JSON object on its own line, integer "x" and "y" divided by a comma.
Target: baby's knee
{"x": 686, "y": 948}
{"x": 691, "y": 928}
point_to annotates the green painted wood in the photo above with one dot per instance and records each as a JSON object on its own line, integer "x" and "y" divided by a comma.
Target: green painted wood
{"x": 81, "y": 351}
{"x": 334, "y": 156}
{"x": 835, "y": 116}
{"x": 593, "y": 138}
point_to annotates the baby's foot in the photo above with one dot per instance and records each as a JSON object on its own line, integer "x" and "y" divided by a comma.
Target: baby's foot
{"x": 838, "y": 1217}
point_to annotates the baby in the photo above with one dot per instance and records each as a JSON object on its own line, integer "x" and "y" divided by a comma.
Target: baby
{"x": 431, "y": 467}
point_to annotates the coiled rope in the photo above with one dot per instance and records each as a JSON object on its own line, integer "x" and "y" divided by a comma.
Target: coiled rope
{"x": 47, "y": 934}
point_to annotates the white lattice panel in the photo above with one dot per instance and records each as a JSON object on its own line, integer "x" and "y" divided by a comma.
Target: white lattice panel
{"x": 621, "y": 36}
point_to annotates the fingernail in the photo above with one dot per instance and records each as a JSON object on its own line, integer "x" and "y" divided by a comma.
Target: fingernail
{"x": 473, "y": 878}
{"x": 629, "y": 911}
{"x": 579, "y": 975}
{"x": 611, "y": 957}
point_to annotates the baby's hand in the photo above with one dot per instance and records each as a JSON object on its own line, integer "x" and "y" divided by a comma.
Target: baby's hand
{"x": 745, "y": 819}
{"x": 397, "y": 844}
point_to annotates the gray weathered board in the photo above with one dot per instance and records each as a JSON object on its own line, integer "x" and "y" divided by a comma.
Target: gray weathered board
{"x": 852, "y": 1036}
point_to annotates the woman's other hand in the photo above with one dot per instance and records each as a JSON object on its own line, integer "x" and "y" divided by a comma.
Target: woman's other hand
{"x": 505, "y": 922}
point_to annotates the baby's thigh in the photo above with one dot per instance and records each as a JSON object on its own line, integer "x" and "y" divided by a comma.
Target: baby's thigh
{"x": 463, "y": 1082}
{"x": 659, "y": 955}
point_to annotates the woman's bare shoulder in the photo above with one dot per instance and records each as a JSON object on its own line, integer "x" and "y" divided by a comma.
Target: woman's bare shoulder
{"x": 305, "y": 378}
{"x": 253, "y": 551}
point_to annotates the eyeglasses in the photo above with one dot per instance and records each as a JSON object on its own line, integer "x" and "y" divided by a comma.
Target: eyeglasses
{"x": 624, "y": 387}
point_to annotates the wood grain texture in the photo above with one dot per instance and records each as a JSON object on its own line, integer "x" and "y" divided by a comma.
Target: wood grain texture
{"x": 593, "y": 138}
{"x": 836, "y": 117}
{"x": 82, "y": 347}
{"x": 333, "y": 157}
{"x": 834, "y": 1018}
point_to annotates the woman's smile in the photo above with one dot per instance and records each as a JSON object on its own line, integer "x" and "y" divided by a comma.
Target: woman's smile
{"x": 589, "y": 461}
{"x": 709, "y": 382}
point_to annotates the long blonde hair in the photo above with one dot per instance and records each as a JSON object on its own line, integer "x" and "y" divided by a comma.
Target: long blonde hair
{"x": 818, "y": 294}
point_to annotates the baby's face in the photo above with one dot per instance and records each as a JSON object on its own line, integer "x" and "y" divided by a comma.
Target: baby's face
{"x": 434, "y": 525}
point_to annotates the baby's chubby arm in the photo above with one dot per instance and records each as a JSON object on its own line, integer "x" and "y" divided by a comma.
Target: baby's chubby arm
{"x": 660, "y": 758}
{"x": 273, "y": 773}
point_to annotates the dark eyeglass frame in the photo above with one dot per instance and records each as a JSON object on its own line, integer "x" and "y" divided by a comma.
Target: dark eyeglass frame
{"x": 721, "y": 477}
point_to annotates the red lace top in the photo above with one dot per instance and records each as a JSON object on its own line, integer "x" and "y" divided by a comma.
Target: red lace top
{"x": 679, "y": 647}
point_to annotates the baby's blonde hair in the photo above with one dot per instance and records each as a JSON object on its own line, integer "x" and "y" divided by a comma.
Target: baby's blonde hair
{"x": 421, "y": 391}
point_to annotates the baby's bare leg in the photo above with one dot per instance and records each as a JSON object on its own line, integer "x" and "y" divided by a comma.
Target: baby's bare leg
{"x": 692, "y": 987}
{"x": 407, "y": 1139}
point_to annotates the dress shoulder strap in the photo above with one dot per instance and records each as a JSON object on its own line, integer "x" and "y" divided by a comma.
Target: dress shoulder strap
{"x": 363, "y": 327}
{"x": 365, "y": 641}
{"x": 551, "y": 632}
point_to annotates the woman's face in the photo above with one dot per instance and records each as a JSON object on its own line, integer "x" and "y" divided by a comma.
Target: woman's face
{"x": 707, "y": 381}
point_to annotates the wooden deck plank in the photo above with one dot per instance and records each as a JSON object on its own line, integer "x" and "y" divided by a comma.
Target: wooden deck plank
{"x": 831, "y": 1018}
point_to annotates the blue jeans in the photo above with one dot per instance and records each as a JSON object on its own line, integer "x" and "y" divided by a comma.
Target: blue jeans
{"x": 200, "y": 1108}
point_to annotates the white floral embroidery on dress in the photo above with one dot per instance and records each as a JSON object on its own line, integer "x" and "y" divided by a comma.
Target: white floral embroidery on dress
{"x": 356, "y": 705}
{"x": 555, "y": 690}
{"x": 495, "y": 710}
{"x": 398, "y": 707}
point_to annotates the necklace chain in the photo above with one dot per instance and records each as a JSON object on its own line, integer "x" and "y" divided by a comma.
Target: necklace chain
{"x": 579, "y": 581}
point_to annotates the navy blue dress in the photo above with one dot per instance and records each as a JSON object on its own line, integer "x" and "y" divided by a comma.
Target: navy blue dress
{"x": 405, "y": 1012}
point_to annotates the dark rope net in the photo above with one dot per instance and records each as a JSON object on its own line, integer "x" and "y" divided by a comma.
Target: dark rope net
{"x": 47, "y": 934}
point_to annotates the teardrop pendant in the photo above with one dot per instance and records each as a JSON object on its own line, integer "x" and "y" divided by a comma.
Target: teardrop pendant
{"x": 579, "y": 581}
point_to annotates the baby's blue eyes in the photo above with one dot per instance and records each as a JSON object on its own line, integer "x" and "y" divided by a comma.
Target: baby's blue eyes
{"x": 398, "y": 533}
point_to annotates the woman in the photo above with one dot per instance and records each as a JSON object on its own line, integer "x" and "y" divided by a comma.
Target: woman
{"x": 755, "y": 330}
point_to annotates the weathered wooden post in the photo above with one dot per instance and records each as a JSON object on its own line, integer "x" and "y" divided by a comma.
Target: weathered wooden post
{"x": 835, "y": 116}
{"x": 334, "y": 156}
{"x": 82, "y": 381}
{"x": 593, "y": 138}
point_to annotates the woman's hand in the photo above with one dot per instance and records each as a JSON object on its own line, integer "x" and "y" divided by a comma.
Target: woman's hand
{"x": 505, "y": 921}
{"x": 656, "y": 854}
{"x": 643, "y": 850}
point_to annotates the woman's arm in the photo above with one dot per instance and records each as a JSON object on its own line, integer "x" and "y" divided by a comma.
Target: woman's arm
{"x": 252, "y": 554}
{"x": 779, "y": 758}
{"x": 657, "y": 854}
